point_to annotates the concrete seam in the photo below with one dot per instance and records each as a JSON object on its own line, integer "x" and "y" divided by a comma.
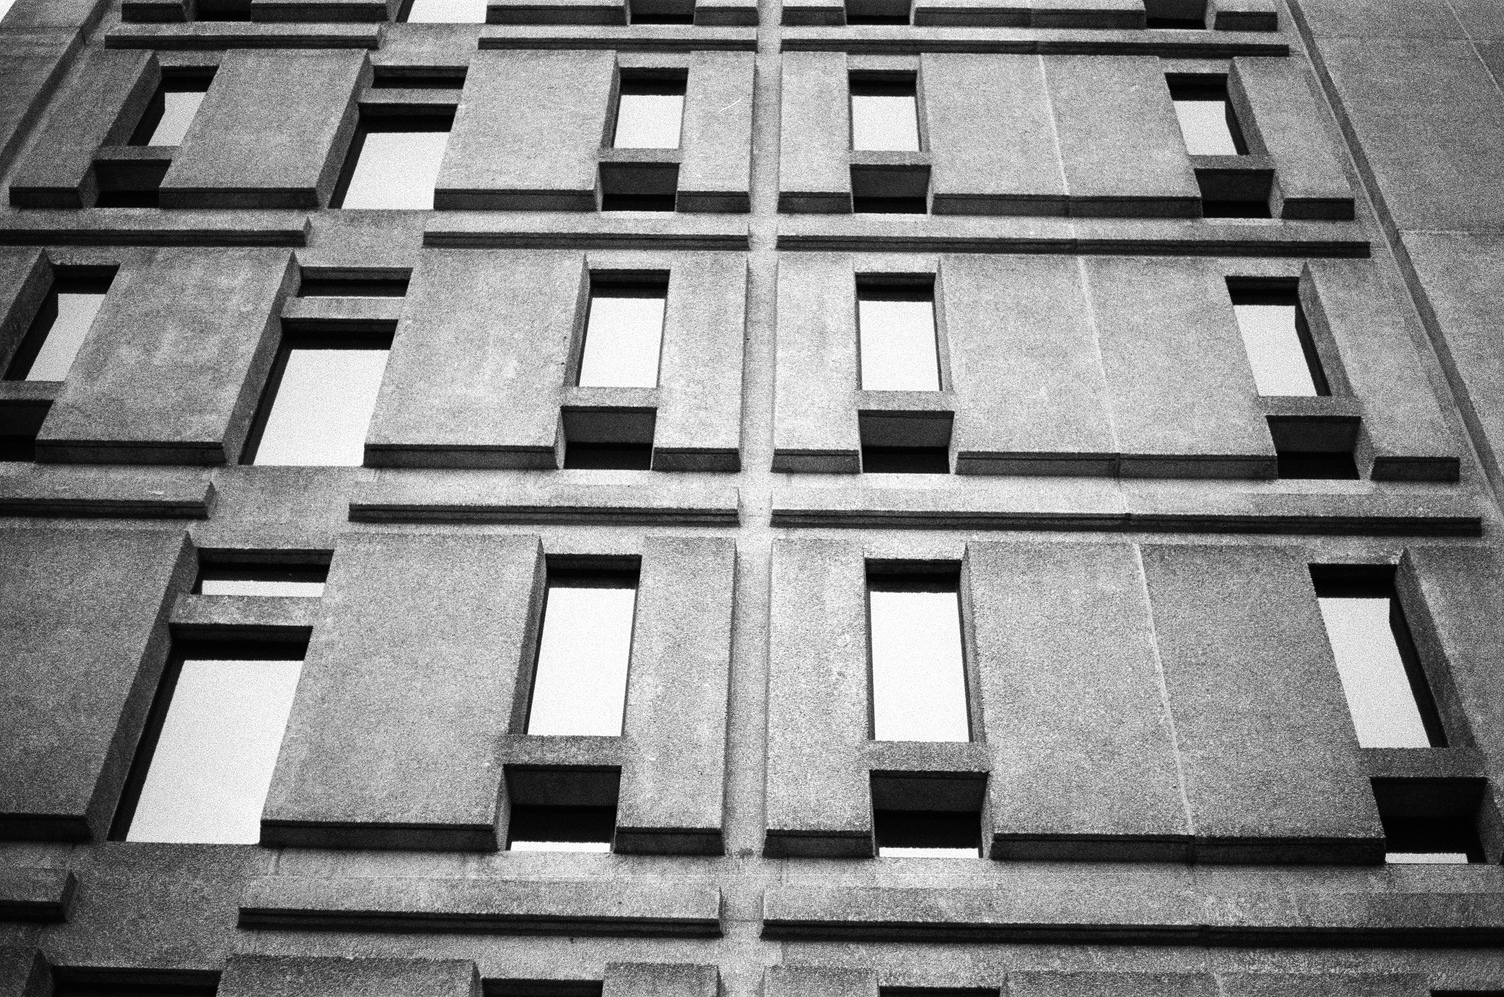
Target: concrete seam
{"x": 1164, "y": 699}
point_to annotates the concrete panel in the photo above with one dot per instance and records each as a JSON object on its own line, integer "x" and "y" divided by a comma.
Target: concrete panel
{"x": 672, "y": 785}
{"x": 392, "y": 738}
{"x": 24, "y": 972}
{"x": 1025, "y": 367}
{"x": 699, "y": 424}
{"x": 716, "y": 174}
{"x": 1083, "y": 759}
{"x": 108, "y": 93}
{"x": 814, "y": 413}
{"x": 33, "y": 894}
{"x": 814, "y": 150}
{"x": 818, "y": 801}
{"x": 1322, "y": 985}
{"x": 25, "y": 278}
{"x": 1271, "y": 763}
{"x": 992, "y": 135}
{"x": 1109, "y": 984}
{"x": 499, "y": 323}
{"x": 528, "y": 132}
{"x": 1405, "y": 436}
{"x": 1429, "y": 122}
{"x": 660, "y": 979}
{"x": 1120, "y": 143}
{"x": 819, "y": 981}
{"x": 1242, "y": 15}
{"x": 272, "y": 131}
{"x": 1380, "y": 19}
{"x": 175, "y": 362}
{"x": 324, "y": 11}
{"x": 1180, "y": 389}
{"x": 1279, "y": 115}
{"x": 83, "y": 638}
{"x": 315, "y": 976}
{"x": 28, "y": 74}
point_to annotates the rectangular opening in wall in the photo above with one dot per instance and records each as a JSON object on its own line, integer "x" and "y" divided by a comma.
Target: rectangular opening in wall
{"x": 905, "y": 442}
{"x": 518, "y": 987}
{"x": 884, "y": 113}
{"x": 89, "y": 981}
{"x": 918, "y": 666}
{"x": 173, "y": 107}
{"x": 423, "y": 77}
{"x": 318, "y": 400}
{"x": 394, "y": 161}
{"x": 1315, "y": 446}
{"x": 339, "y": 283}
{"x": 608, "y": 438}
{"x": 649, "y": 112}
{"x": 222, "y": 10}
{"x": 1175, "y": 14}
{"x": 1207, "y": 119}
{"x": 1277, "y": 338}
{"x": 445, "y": 12}
{"x": 890, "y": 188}
{"x": 662, "y": 11}
{"x": 623, "y": 331}
{"x": 928, "y": 814}
{"x": 878, "y": 11}
{"x": 58, "y": 329}
{"x": 896, "y": 343}
{"x": 1388, "y": 693}
{"x": 205, "y": 760}
{"x": 642, "y": 186}
{"x": 1431, "y": 821}
{"x": 579, "y": 684}
{"x": 561, "y": 808}
{"x": 247, "y": 573}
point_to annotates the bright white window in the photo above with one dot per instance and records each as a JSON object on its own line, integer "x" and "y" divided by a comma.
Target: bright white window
{"x": 580, "y": 683}
{"x": 623, "y": 336}
{"x": 321, "y": 406}
{"x": 896, "y": 332}
{"x": 649, "y": 114}
{"x": 918, "y": 671}
{"x": 884, "y": 116}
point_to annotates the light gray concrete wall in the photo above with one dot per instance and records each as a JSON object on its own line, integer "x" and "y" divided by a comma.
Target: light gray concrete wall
{"x": 286, "y": 976}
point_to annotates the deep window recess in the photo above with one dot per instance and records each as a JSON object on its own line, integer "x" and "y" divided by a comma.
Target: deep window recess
{"x": 351, "y": 284}
{"x": 318, "y": 400}
{"x": 623, "y": 333}
{"x": 565, "y": 809}
{"x": 918, "y": 668}
{"x": 262, "y": 579}
{"x": 79, "y": 981}
{"x": 205, "y": 761}
{"x": 60, "y": 325}
{"x": 1387, "y": 691}
{"x": 172, "y": 108}
{"x": 1278, "y": 341}
{"x": 884, "y": 115}
{"x": 878, "y": 11}
{"x": 649, "y": 113}
{"x": 1175, "y": 14}
{"x": 1207, "y": 119}
{"x": 896, "y": 337}
{"x": 445, "y": 12}
{"x": 1431, "y": 821}
{"x": 394, "y": 162}
{"x": 928, "y": 814}
{"x": 580, "y": 681}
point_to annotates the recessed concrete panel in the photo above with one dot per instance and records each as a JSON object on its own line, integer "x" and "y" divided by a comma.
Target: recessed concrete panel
{"x": 528, "y": 132}
{"x": 25, "y": 278}
{"x": 1322, "y": 985}
{"x": 28, "y": 72}
{"x": 672, "y": 786}
{"x": 818, "y": 802}
{"x": 1270, "y": 759}
{"x": 716, "y": 174}
{"x": 700, "y": 387}
{"x": 83, "y": 638}
{"x": 272, "y": 131}
{"x": 1380, "y": 19}
{"x": 499, "y": 324}
{"x": 1025, "y": 367}
{"x": 1110, "y": 984}
{"x": 659, "y": 979}
{"x": 992, "y": 135}
{"x": 1083, "y": 757}
{"x": 172, "y": 368}
{"x": 109, "y": 91}
{"x": 393, "y": 734}
{"x": 317, "y": 976}
{"x": 819, "y": 981}
{"x": 1278, "y": 112}
{"x": 1120, "y": 143}
{"x": 1406, "y": 437}
{"x": 814, "y": 413}
{"x": 814, "y": 151}
{"x": 1180, "y": 390}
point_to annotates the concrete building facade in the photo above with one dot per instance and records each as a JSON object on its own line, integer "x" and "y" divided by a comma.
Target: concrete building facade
{"x": 1163, "y": 771}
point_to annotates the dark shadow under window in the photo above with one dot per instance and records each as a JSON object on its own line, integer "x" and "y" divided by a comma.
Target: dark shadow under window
{"x": 561, "y": 809}
{"x": 70, "y": 981}
{"x": 1431, "y": 821}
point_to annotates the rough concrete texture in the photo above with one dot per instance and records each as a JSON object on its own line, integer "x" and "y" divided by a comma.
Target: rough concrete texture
{"x": 293, "y": 976}
{"x": 1280, "y": 117}
{"x": 814, "y": 421}
{"x": 645, "y": 979}
{"x": 716, "y": 174}
{"x": 699, "y": 425}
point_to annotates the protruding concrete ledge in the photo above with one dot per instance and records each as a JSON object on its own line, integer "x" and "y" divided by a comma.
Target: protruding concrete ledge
{"x": 153, "y": 227}
{"x": 242, "y": 34}
{"x": 271, "y": 618}
{"x": 471, "y": 497}
{"x": 326, "y": 976}
{"x": 1071, "y": 236}
{"x": 1030, "y": 504}
{"x": 534, "y": 907}
{"x": 121, "y": 492}
{"x": 907, "y": 40}
{"x": 1130, "y": 914}
{"x": 1424, "y": 763}
{"x": 582, "y": 230}
{"x": 655, "y": 38}
{"x": 35, "y": 894}
{"x": 342, "y": 314}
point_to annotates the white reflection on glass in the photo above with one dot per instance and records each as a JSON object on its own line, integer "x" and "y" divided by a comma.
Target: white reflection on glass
{"x": 648, "y": 120}
{"x": 559, "y": 846}
{"x": 1373, "y": 673}
{"x": 261, "y": 587}
{"x": 891, "y": 852}
{"x": 213, "y": 764}
{"x": 622, "y": 338}
{"x": 1203, "y": 123}
{"x": 1274, "y": 350}
{"x": 580, "y": 686}
{"x": 179, "y": 107}
{"x": 5, "y": 6}
{"x": 322, "y": 408}
{"x": 884, "y": 123}
{"x": 918, "y": 679}
{"x": 447, "y": 12}
{"x": 75, "y": 314}
{"x": 898, "y": 350}
{"x": 1425, "y": 858}
{"x": 396, "y": 170}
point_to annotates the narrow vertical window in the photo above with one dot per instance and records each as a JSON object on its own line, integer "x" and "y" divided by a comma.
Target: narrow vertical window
{"x": 580, "y": 681}
{"x": 649, "y": 114}
{"x": 1207, "y": 119}
{"x": 623, "y": 334}
{"x": 884, "y": 115}
{"x": 172, "y": 108}
{"x": 318, "y": 400}
{"x": 394, "y": 162}
{"x": 205, "y": 762}
{"x": 1278, "y": 341}
{"x": 446, "y": 12}
{"x": 918, "y": 670}
{"x": 57, "y": 331}
{"x": 896, "y": 333}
